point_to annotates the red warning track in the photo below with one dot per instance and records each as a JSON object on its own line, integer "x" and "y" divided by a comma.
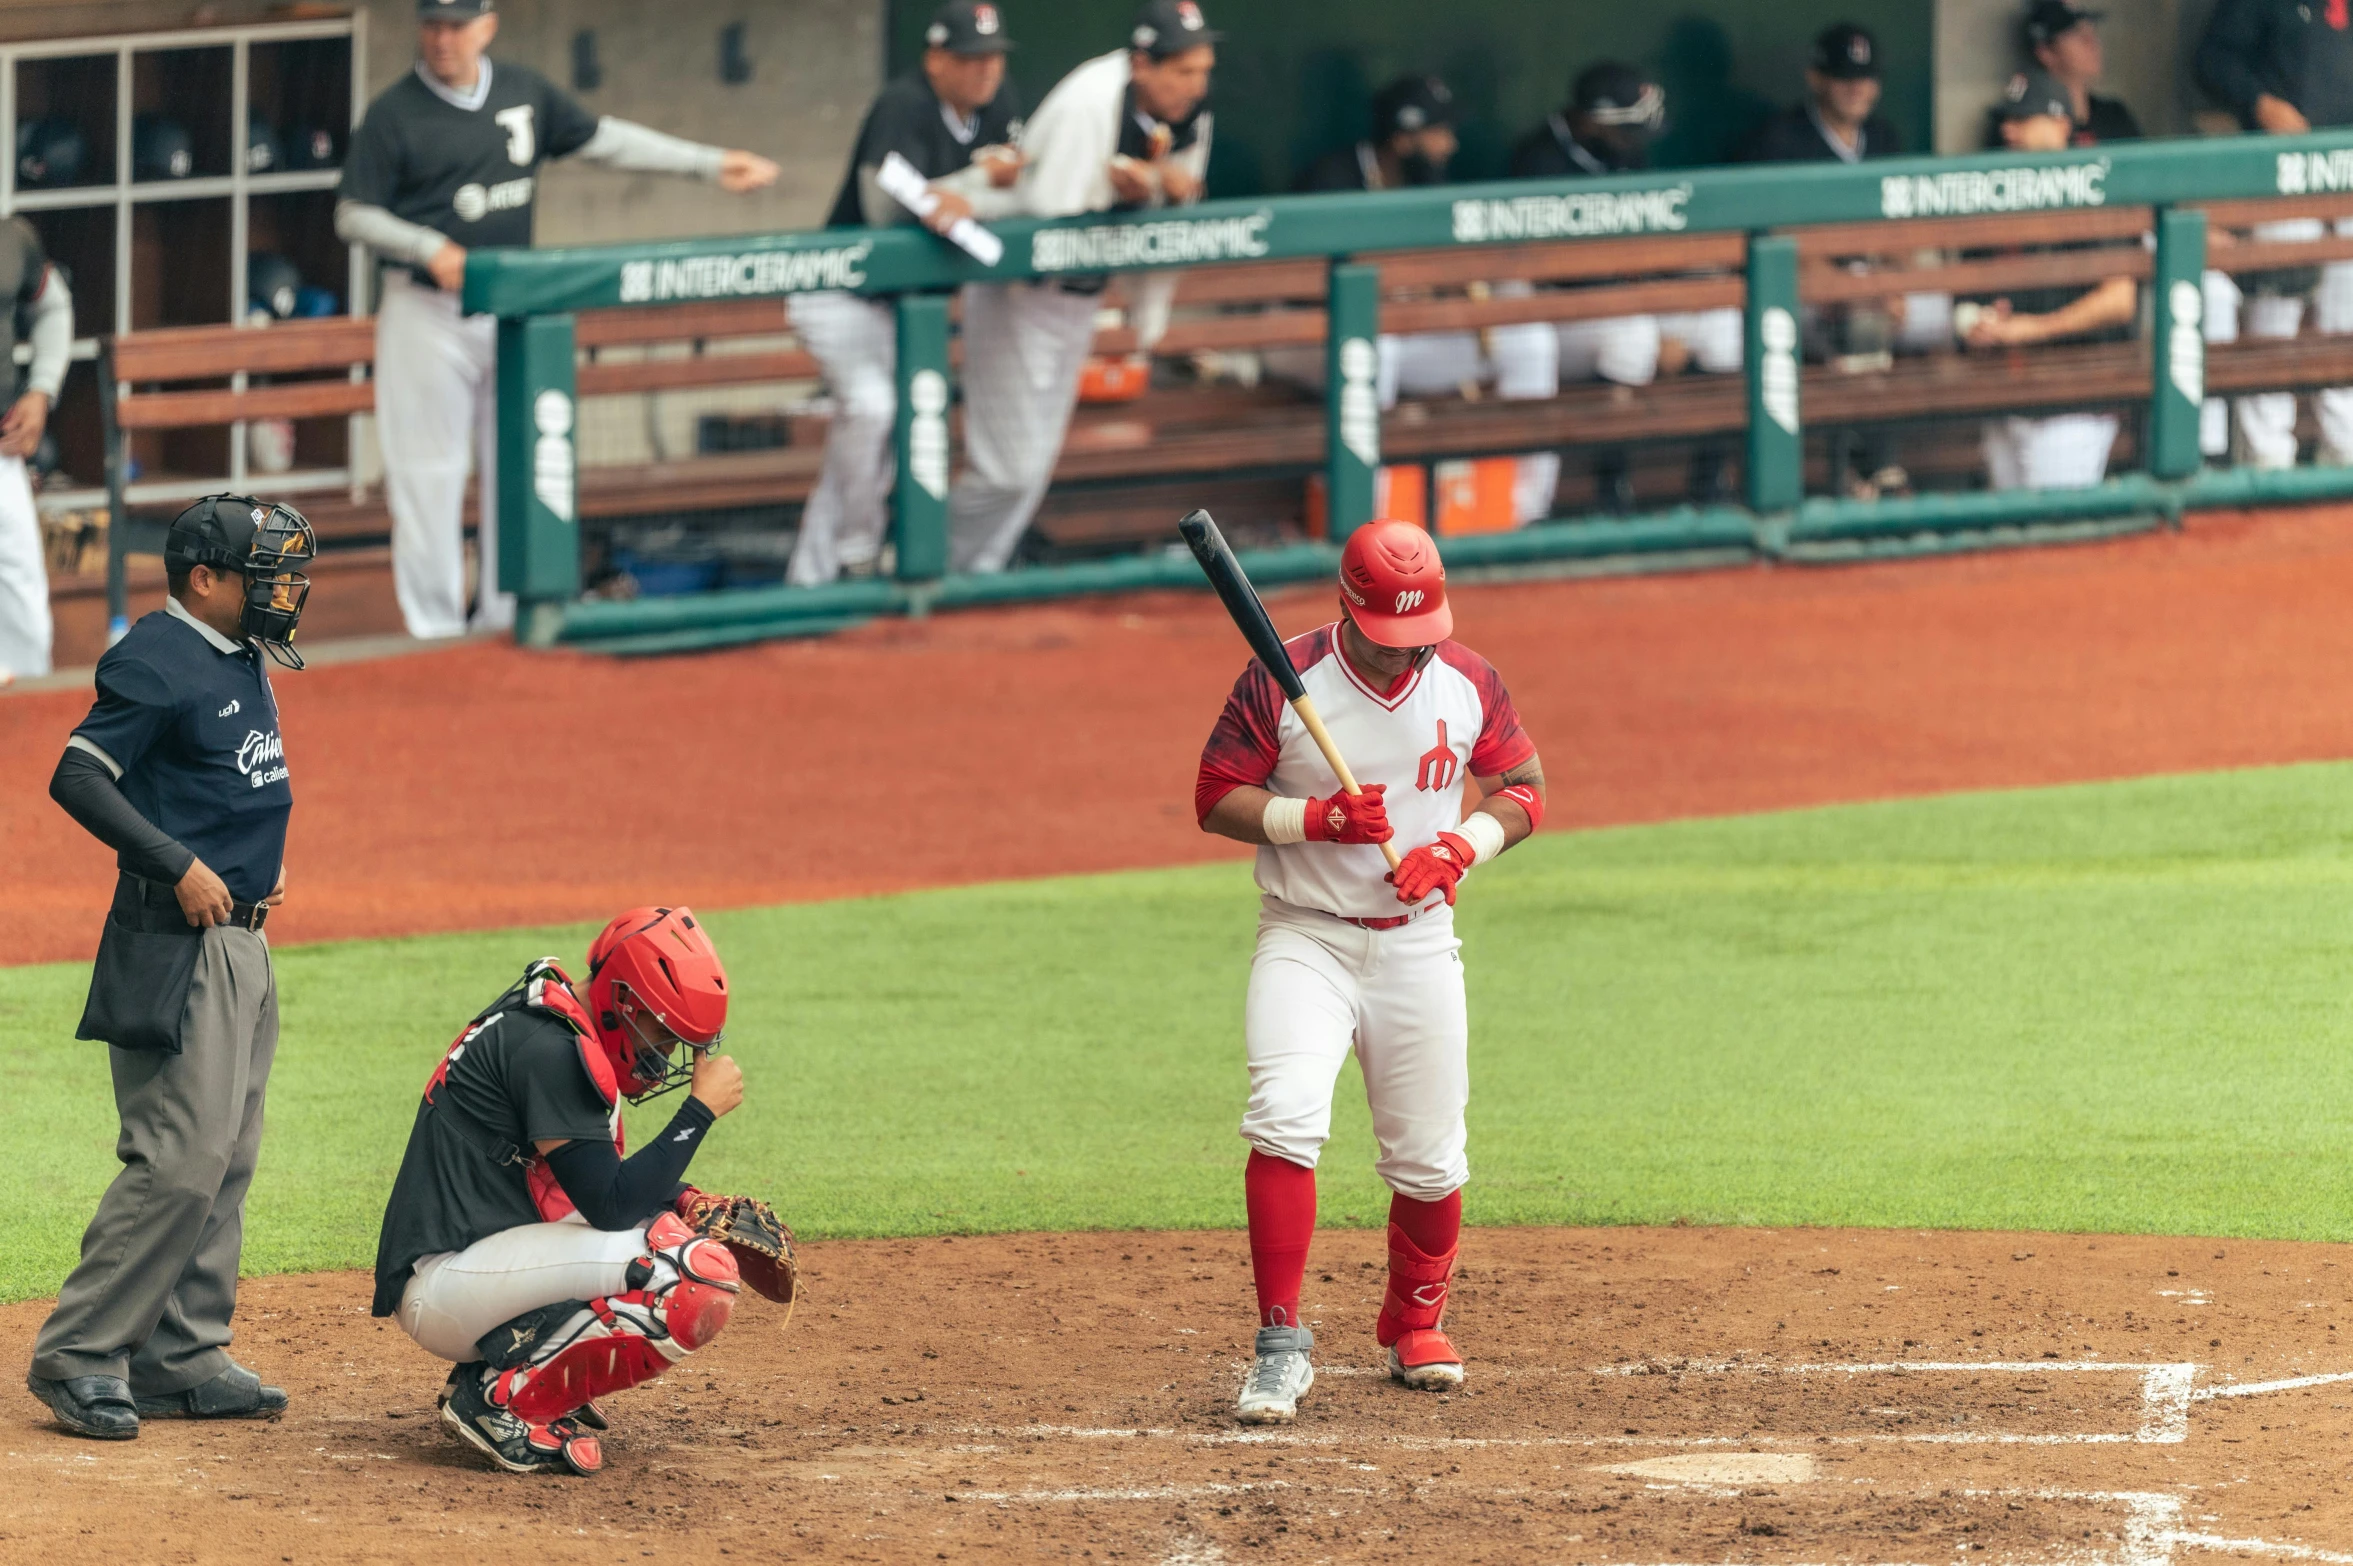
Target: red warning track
{"x": 485, "y": 786}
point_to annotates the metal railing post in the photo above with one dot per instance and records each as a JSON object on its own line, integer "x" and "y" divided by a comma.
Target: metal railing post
{"x": 538, "y": 492}
{"x": 919, "y": 495}
{"x": 2178, "y": 340}
{"x": 1352, "y": 398}
{"x": 1776, "y": 443}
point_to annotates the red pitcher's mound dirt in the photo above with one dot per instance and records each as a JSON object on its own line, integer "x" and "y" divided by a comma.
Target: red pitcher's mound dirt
{"x": 1635, "y": 1395}
{"x": 487, "y": 786}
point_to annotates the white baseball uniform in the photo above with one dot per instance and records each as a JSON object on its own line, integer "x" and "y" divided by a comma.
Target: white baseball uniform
{"x": 1026, "y": 344}
{"x": 1340, "y": 966}
{"x": 2267, "y": 420}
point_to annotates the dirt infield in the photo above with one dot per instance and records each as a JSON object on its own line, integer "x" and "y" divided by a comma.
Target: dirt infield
{"x": 1636, "y": 1395}
{"x": 462, "y": 789}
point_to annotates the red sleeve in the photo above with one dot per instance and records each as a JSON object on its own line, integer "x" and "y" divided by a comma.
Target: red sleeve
{"x": 1244, "y": 747}
{"x": 1502, "y": 743}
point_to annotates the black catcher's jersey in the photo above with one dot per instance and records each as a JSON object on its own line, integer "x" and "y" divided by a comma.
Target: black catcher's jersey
{"x": 471, "y": 174}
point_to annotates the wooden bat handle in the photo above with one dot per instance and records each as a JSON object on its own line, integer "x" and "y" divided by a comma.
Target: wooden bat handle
{"x": 1305, "y": 707}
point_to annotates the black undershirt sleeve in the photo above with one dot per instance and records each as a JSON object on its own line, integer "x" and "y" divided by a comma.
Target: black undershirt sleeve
{"x": 612, "y": 1194}
{"x": 86, "y": 791}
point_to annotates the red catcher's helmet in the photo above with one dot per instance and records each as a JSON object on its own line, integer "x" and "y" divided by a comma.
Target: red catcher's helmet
{"x": 653, "y": 973}
{"x": 1393, "y": 585}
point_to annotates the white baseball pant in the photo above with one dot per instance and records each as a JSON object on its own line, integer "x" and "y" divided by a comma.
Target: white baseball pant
{"x": 2066, "y": 452}
{"x": 437, "y": 418}
{"x": 1321, "y": 987}
{"x": 454, "y": 1297}
{"x": 2267, "y": 421}
{"x": 856, "y": 342}
{"x": 1533, "y": 358}
{"x": 2220, "y": 324}
{"x": 25, "y": 629}
{"x": 1717, "y": 339}
{"x": 1025, "y": 346}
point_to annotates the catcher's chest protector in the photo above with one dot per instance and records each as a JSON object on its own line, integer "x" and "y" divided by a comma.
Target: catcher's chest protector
{"x": 547, "y": 989}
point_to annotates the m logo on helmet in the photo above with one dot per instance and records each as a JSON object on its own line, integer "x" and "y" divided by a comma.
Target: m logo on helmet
{"x": 1410, "y": 599}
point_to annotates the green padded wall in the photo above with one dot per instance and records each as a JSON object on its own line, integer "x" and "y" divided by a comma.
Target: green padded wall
{"x": 1294, "y": 76}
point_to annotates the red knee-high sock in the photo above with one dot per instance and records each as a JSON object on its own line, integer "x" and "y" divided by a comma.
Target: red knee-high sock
{"x": 1280, "y": 1196}
{"x": 1434, "y": 1227}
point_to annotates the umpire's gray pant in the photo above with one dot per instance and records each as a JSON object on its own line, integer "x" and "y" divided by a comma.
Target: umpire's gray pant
{"x": 151, "y": 1298}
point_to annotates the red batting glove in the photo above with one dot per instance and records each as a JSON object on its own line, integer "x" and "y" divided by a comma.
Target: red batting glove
{"x": 1433, "y": 867}
{"x": 1350, "y": 818}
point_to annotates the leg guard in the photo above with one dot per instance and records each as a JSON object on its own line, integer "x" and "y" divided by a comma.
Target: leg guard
{"x": 554, "y": 1360}
{"x": 1419, "y": 1352}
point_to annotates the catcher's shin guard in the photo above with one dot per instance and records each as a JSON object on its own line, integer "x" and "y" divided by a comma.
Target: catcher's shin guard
{"x": 1420, "y": 1354}
{"x": 552, "y": 1361}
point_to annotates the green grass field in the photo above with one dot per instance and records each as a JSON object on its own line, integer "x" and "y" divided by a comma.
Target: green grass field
{"x": 2119, "y": 1007}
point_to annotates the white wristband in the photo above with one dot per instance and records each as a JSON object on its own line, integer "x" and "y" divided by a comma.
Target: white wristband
{"x": 1484, "y": 833}
{"x": 1285, "y": 820}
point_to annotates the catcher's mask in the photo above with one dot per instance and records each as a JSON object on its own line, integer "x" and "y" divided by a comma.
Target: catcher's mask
{"x": 654, "y": 983}
{"x": 268, "y": 545}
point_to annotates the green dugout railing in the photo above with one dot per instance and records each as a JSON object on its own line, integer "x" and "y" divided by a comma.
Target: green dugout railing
{"x": 534, "y": 293}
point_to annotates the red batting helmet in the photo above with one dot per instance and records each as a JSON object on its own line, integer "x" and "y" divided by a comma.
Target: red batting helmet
{"x": 1393, "y": 585}
{"x": 655, "y": 966}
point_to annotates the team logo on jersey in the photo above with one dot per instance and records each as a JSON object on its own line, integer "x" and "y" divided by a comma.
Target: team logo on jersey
{"x": 1440, "y": 766}
{"x": 521, "y": 142}
{"x": 473, "y": 203}
{"x": 262, "y": 758}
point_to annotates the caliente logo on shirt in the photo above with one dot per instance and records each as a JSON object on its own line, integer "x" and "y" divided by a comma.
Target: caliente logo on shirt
{"x": 262, "y": 758}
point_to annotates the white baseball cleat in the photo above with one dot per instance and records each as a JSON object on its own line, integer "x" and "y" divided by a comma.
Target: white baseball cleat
{"x": 1278, "y": 1377}
{"x": 1426, "y": 1361}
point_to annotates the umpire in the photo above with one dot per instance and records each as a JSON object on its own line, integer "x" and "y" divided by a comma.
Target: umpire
{"x": 180, "y": 769}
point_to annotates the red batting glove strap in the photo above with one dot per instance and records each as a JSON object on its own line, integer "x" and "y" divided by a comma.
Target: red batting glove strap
{"x": 1433, "y": 867}
{"x": 1350, "y": 818}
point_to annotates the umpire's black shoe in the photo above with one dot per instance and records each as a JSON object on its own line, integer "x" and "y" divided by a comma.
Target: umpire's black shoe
{"x": 90, "y": 1405}
{"x": 236, "y": 1393}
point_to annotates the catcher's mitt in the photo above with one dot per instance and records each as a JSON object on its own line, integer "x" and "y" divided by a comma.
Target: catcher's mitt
{"x": 749, "y": 1228}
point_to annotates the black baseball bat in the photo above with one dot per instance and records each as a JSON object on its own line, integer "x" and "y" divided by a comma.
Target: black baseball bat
{"x": 1225, "y": 573}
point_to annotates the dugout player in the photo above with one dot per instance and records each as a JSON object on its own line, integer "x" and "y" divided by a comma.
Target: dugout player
{"x": 1352, "y": 958}
{"x": 2067, "y": 450}
{"x": 1124, "y": 131}
{"x": 2064, "y": 39}
{"x": 955, "y": 119}
{"x": 36, "y": 290}
{"x": 517, "y": 1241}
{"x": 447, "y": 161}
{"x": 1613, "y": 115}
{"x": 180, "y": 769}
{"x": 2286, "y": 67}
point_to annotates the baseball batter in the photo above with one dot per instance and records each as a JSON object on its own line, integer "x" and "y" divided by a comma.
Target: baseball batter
{"x": 519, "y": 1243}
{"x": 446, "y": 161}
{"x": 36, "y": 291}
{"x": 955, "y": 120}
{"x": 1353, "y": 957}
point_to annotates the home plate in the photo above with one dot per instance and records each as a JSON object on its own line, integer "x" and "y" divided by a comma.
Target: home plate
{"x": 1734, "y": 1468}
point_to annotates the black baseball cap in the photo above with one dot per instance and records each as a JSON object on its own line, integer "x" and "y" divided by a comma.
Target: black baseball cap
{"x": 216, "y": 531}
{"x": 1412, "y": 103}
{"x": 2047, "y": 19}
{"x": 2033, "y": 95}
{"x": 1846, "y": 52}
{"x": 967, "y": 27}
{"x": 453, "y": 10}
{"x": 1614, "y": 93}
{"x": 1166, "y": 27}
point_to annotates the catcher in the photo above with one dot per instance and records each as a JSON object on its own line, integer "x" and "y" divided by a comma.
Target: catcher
{"x": 521, "y": 1244}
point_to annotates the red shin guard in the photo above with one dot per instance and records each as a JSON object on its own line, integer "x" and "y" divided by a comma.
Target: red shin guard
{"x": 613, "y": 1343}
{"x": 1424, "y": 1238}
{"x": 1280, "y": 1197}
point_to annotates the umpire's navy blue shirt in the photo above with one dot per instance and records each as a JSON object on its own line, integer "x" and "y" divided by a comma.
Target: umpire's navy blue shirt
{"x": 186, "y": 721}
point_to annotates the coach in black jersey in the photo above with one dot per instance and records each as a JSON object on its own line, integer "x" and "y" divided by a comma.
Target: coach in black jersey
{"x": 448, "y": 159}
{"x": 954, "y": 119}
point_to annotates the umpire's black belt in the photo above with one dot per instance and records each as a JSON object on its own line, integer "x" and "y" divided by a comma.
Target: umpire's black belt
{"x": 153, "y": 907}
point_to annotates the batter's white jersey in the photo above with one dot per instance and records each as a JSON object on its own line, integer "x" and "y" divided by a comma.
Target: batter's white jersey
{"x": 1445, "y": 722}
